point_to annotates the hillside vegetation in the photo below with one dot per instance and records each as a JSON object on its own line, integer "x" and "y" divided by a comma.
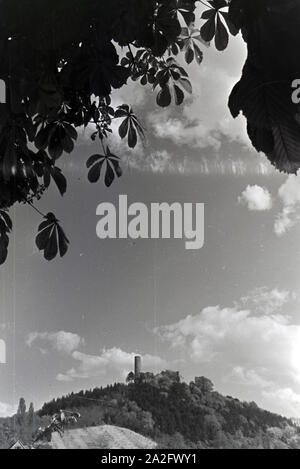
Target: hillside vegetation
{"x": 173, "y": 413}
{"x": 179, "y": 415}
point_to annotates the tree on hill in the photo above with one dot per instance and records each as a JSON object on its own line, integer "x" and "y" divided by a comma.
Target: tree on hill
{"x": 31, "y": 414}
{"x": 60, "y": 78}
{"x": 203, "y": 384}
{"x": 21, "y": 412}
{"x": 130, "y": 378}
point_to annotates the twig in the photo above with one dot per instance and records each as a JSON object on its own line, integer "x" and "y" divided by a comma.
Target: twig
{"x": 101, "y": 139}
{"x": 36, "y": 209}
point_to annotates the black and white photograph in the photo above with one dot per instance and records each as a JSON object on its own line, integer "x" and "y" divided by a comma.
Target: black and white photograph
{"x": 149, "y": 227}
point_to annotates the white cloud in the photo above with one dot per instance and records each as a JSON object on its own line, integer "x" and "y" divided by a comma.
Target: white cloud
{"x": 132, "y": 94}
{"x": 7, "y": 410}
{"x": 256, "y": 198}
{"x": 110, "y": 361}
{"x": 261, "y": 350}
{"x": 205, "y": 117}
{"x": 183, "y": 131}
{"x": 285, "y": 221}
{"x": 65, "y": 342}
{"x": 285, "y": 400}
{"x": 266, "y": 301}
{"x": 249, "y": 377}
{"x": 204, "y": 121}
{"x": 289, "y": 194}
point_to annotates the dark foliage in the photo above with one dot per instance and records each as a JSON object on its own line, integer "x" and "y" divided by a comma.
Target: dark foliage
{"x": 60, "y": 78}
{"x": 176, "y": 414}
{"x": 271, "y": 30}
{"x": 51, "y": 238}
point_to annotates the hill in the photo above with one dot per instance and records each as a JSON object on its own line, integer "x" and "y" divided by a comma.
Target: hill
{"x": 167, "y": 410}
{"x": 179, "y": 415}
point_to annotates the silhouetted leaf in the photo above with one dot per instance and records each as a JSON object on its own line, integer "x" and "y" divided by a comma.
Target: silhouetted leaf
{"x": 51, "y": 238}
{"x": 171, "y": 74}
{"x": 45, "y": 168}
{"x": 271, "y": 123}
{"x": 214, "y": 27}
{"x": 221, "y": 38}
{"x": 56, "y": 137}
{"x": 188, "y": 44}
{"x": 130, "y": 126}
{"x": 92, "y": 159}
{"x": 232, "y": 28}
{"x": 109, "y": 175}
{"x": 164, "y": 97}
{"x": 261, "y": 138}
{"x": 185, "y": 8}
{"x": 59, "y": 179}
{"x": 179, "y": 95}
{"x": 95, "y": 172}
{"x": 112, "y": 167}
{"x": 208, "y": 30}
{"x": 186, "y": 84}
{"x": 123, "y": 129}
{"x": 132, "y": 136}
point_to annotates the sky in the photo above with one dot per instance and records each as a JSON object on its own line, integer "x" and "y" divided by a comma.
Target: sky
{"x": 229, "y": 311}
